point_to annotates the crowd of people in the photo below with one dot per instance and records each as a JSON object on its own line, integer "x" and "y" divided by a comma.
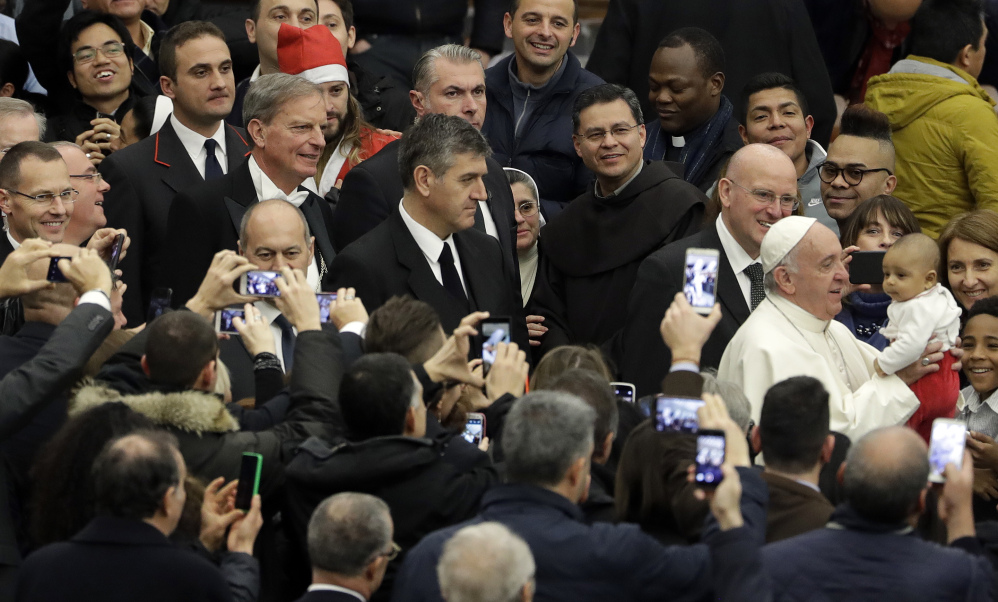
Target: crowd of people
{"x": 494, "y": 326}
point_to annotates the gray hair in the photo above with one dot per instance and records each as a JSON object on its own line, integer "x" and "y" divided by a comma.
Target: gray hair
{"x": 347, "y": 532}
{"x": 424, "y": 74}
{"x": 545, "y": 432}
{"x": 244, "y": 223}
{"x": 484, "y": 563}
{"x": 269, "y": 93}
{"x": 734, "y": 398}
{"x": 789, "y": 262}
{"x": 16, "y": 106}
{"x": 433, "y": 141}
{"x": 66, "y": 144}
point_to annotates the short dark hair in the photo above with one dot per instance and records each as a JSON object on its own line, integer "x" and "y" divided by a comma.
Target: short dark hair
{"x": 565, "y": 357}
{"x": 605, "y": 94}
{"x": 346, "y": 7}
{"x": 143, "y": 113}
{"x": 180, "y": 345}
{"x": 882, "y": 489}
{"x": 863, "y": 122}
{"x": 375, "y": 394}
{"x": 177, "y": 36}
{"x": 10, "y": 164}
{"x": 406, "y": 326}
{"x": 13, "y": 66}
{"x": 895, "y": 212}
{"x": 942, "y": 28}
{"x": 594, "y": 389}
{"x": 433, "y": 141}
{"x": 986, "y": 307}
{"x": 82, "y": 21}
{"x": 709, "y": 52}
{"x": 793, "y": 424}
{"x": 134, "y": 472}
{"x": 514, "y": 5}
{"x": 769, "y": 81}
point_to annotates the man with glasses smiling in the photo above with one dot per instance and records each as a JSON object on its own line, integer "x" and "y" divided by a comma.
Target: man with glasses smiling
{"x": 590, "y": 252}
{"x": 88, "y": 211}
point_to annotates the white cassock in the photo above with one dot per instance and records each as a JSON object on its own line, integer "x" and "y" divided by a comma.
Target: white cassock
{"x": 780, "y": 340}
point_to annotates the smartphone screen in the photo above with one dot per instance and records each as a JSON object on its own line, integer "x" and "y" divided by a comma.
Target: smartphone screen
{"x": 945, "y": 446}
{"x": 260, "y": 283}
{"x": 55, "y": 274}
{"x": 493, "y": 331}
{"x": 867, "y": 267}
{"x": 159, "y": 302}
{"x": 325, "y": 300}
{"x": 676, "y": 414}
{"x": 710, "y": 457}
{"x": 119, "y": 242}
{"x": 223, "y": 319}
{"x": 249, "y": 480}
{"x": 474, "y": 429}
{"x": 623, "y": 391}
{"x": 701, "y": 279}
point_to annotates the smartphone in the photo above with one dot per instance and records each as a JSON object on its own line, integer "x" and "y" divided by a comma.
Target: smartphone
{"x": 160, "y": 301}
{"x": 710, "y": 457}
{"x": 700, "y": 285}
{"x": 474, "y": 429}
{"x": 55, "y": 274}
{"x": 249, "y": 480}
{"x": 223, "y": 319}
{"x": 119, "y": 242}
{"x": 867, "y": 267}
{"x": 676, "y": 414}
{"x": 325, "y": 300}
{"x": 259, "y": 283}
{"x": 623, "y": 391}
{"x": 946, "y": 445}
{"x": 493, "y": 331}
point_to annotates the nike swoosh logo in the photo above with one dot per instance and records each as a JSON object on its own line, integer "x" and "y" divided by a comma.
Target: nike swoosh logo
{"x": 814, "y": 202}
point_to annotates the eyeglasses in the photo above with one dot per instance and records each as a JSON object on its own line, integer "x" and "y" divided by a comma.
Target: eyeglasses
{"x": 527, "y": 208}
{"x": 617, "y": 132}
{"x": 66, "y": 196}
{"x": 768, "y": 197}
{"x": 91, "y": 177}
{"x": 393, "y": 553}
{"x": 109, "y": 50}
{"x": 852, "y": 175}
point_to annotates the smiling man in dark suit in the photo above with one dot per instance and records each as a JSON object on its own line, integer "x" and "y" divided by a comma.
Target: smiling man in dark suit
{"x": 746, "y": 215}
{"x": 428, "y": 248}
{"x": 144, "y": 177}
{"x": 284, "y": 117}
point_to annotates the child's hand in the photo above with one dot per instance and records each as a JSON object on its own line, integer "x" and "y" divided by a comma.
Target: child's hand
{"x": 983, "y": 449}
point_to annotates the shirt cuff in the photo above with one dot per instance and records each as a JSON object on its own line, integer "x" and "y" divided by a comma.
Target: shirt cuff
{"x": 685, "y": 367}
{"x": 357, "y": 327}
{"x": 97, "y": 297}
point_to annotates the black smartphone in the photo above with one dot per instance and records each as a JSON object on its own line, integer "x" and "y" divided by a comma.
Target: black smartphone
{"x": 223, "y": 319}
{"x": 55, "y": 274}
{"x": 158, "y": 303}
{"x": 710, "y": 457}
{"x": 676, "y": 414}
{"x": 249, "y": 480}
{"x": 867, "y": 267}
{"x": 623, "y": 391}
{"x": 493, "y": 331}
{"x": 119, "y": 242}
{"x": 325, "y": 300}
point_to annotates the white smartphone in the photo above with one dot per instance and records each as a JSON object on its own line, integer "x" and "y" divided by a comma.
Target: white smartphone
{"x": 259, "y": 283}
{"x": 223, "y": 319}
{"x": 946, "y": 444}
{"x": 700, "y": 285}
{"x": 474, "y": 429}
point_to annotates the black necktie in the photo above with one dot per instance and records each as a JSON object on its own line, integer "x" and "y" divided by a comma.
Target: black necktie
{"x": 287, "y": 342}
{"x": 758, "y": 292}
{"x": 452, "y": 282}
{"x": 212, "y": 169}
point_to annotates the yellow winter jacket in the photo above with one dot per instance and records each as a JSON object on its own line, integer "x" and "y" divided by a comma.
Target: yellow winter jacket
{"x": 946, "y": 135}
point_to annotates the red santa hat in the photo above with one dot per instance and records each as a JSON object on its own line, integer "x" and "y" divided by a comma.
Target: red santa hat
{"x": 312, "y": 53}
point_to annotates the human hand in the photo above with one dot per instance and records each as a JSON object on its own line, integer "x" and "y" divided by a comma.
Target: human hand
{"x": 93, "y": 152}
{"x": 360, "y": 47}
{"x": 450, "y": 362}
{"x": 916, "y": 370}
{"x": 217, "y": 512}
{"x": 956, "y": 500}
{"x": 255, "y": 331}
{"x": 117, "y": 299}
{"x": 103, "y": 240}
{"x": 105, "y": 133}
{"x": 216, "y": 289}
{"x": 243, "y": 532}
{"x": 849, "y": 288}
{"x": 714, "y": 415}
{"x": 508, "y": 373}
{"x": 684, "y": 331}
{"x": 14, "y": 280}
{"x": 535, "y": 330}
{"x": 86, "y": 272}
{"x": 346, "y": 308}
{"x": 983, "y": 449}
{"x": 957, "y": 352}
{"x": 986, "y": 483}
{"x": 297, "y": 302}
{"x": 725, "y": 499}
{"x": 484, "y": 444}
{"x": 392, "y": 133}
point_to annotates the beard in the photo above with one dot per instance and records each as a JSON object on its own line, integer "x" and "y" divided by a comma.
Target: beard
{"x": 333, "y": 130}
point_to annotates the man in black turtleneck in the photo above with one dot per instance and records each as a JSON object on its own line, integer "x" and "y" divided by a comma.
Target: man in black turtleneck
{"x": 590, "y": 252}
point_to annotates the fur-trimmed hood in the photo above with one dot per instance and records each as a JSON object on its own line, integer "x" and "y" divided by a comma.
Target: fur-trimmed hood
{"x": 193, "y": 411}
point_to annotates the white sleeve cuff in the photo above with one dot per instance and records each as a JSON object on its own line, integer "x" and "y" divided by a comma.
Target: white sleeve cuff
{"x": 97, "y": 297}
{"x": 685, "y": 366}
{"x": 357, "y": 327}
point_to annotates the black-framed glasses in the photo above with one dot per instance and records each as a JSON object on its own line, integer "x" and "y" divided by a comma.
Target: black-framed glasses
{"x": 110, "y": 50}
{"x": 527, "y": 208}
{"x": 66, "y": 196}
{"x": 95, "y": 177}
{"x": 768, "y": 197}
{"x": 851, "y": 174}
{"x": 393, "y": 553}
{"x": 618, "y": 132}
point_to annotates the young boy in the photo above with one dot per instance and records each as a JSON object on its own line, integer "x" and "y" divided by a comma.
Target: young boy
{"x": 921, "y": 311}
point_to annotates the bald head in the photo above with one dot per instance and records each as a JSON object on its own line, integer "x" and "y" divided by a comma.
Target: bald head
{"x": 886, "y": 472}
{"x": 752, "y": 158}
{"x": 274, "y": 234}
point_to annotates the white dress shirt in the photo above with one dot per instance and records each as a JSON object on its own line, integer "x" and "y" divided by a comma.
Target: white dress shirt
{"x": 331, "y": 172}
{"x": 270, "y": 313}
{"x": 431, "y": 246}
{"x": 490, "y": 224}
{"x": 194, "y": 144}
{"x": 738, "y": 259}
{"x": 335, "y": 588}
{"x": 13, "y": 242}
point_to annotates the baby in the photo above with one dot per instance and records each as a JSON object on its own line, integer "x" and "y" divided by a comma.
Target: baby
{"x": 921, "y": 311}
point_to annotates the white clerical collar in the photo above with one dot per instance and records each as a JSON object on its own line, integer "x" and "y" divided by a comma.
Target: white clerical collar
{"x": 738, "y": 258}
{"x": 266, "y": 189}
{"x": 429, "y": 243}
{"x": 678, "y": 141}
{"x": 797, "y": 315}
{"x": 328, "y": 587}
{"x": 194, "y": 142}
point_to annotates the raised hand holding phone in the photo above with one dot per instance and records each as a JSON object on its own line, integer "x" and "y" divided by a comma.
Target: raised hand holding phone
{"x": 216, "y": 290}
{"x": 297, "y": 300}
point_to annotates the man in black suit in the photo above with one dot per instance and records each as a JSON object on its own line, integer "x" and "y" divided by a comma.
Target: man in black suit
{"x": 428, "y": 248}
{"x": 755, "y": 194}
{"x": 144, "y": 177}
{"x": 284, "y": 115}
{"x": 449, "y": 80}
{"x": 350, "y": 545}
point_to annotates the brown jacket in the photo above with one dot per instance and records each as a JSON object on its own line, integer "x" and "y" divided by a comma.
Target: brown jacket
{"x": 793, "y": 508}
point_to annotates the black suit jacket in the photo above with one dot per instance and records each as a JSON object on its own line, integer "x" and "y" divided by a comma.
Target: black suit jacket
{"x": 645, "y": 359}
{"x": 205, "y": 219}
{"x": 5, "y": 247}
{"x": 387, "y": 261}
{"x": 144, "y": 178}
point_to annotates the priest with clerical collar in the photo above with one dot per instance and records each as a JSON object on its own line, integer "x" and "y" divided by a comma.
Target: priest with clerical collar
{"x": 793, "y": 333}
